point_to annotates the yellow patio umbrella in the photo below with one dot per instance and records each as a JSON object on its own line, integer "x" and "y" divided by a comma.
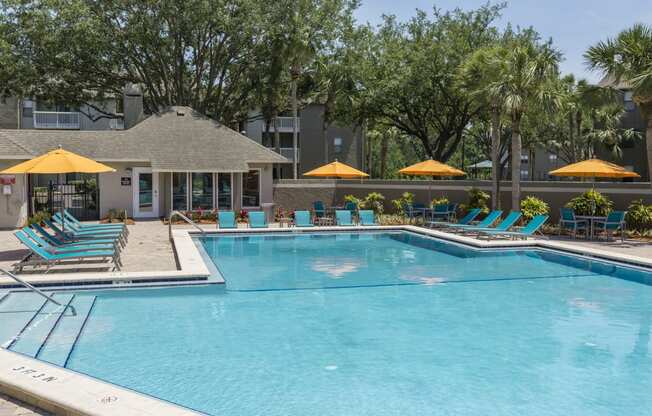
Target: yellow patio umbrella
{"x": 336, "y": 170}
{"x": 594, "y": 168}
{"x": 58, "y": 161}
{"x": 431, "y": 168}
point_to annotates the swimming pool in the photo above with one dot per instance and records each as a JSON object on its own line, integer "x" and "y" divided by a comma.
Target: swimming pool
{"x": 369, "y": 323}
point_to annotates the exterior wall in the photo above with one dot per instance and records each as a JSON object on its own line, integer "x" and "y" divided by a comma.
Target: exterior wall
{"x": 85, "y": 123}
{"x": 300, "y": 194}
{"x": 113, "y": 195}
{"x": 13, "y": 208}
{"x": 9, "y": 113}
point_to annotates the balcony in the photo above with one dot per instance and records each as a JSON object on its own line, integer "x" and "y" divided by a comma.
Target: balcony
{"x": 286, "y": 124}
{"x": 287, "y": 152}
{"x": 56, "y": 120}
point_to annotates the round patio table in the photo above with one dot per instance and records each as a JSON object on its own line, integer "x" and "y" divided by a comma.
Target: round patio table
{"x": 592, "y": 219}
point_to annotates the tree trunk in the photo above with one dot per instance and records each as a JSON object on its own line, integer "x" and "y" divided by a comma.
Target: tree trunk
{"x": 516, "y": 161}
{"x": 295, "y": 136}
{"x": 383, "y": 154}
{"x": 648, "y": 140}
{"x": 495, "y": 160}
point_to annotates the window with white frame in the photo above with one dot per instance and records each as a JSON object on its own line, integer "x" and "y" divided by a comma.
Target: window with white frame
{"x": 202, "y": 190}
{"x": 180, "y": 191}
{"x": 251, "y": 189}
{"x": 224, "y": 191}
{"x": 337, "y": 145}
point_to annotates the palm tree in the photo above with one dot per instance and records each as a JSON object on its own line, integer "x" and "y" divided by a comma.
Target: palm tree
{"x": 481, "y": 76}
{"x": 526, "y": 68}
{"x": 627, "y": 59}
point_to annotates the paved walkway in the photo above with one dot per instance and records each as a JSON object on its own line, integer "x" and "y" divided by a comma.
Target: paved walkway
{"x": 12, "y": 407}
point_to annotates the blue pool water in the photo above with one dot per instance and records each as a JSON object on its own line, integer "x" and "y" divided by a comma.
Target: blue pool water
{"x": 382, "y": 324}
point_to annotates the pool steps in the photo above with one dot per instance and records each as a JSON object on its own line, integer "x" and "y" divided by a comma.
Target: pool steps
{"x": 42, "y": 329}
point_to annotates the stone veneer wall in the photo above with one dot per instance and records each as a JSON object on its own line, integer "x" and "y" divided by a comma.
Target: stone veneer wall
{"x": 300, "y": 194}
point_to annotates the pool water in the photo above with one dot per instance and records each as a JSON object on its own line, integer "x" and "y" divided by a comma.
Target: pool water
{"x": 382, "y": 324}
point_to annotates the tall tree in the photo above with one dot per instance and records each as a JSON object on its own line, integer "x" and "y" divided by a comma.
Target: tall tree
{"x": 527, "y": 68}
{"x": 627, "y": 60}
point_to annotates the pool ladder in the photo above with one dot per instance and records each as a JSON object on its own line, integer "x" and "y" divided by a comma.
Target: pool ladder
{"x": 185, "y": 218}
{"x": 38, "y": 291}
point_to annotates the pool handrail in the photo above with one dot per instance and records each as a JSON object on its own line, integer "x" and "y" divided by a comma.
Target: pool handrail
{"x": 38, "y": 291}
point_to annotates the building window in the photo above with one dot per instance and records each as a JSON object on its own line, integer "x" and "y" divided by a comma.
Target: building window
{"x": 202, "y": 190}
{"x": 180, "y": 191}
{"x": 552, "y": 157}
{"x": 251, "y": 189}
{"x": 224, "y": 191}
{"x": 337, "y": 145}
{"x": 630, "y": 105}
{"x": 525, "y": 174}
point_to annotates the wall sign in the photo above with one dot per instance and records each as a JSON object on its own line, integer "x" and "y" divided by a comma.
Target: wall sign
{"x": 125, "y": 181}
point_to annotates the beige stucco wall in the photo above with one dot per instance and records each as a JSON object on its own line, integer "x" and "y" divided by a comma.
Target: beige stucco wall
{"x": 113, "y": 195}
{"x": 13, "y": 208}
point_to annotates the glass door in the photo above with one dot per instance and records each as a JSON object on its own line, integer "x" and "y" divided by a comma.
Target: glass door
{"x": 145, "y": 187}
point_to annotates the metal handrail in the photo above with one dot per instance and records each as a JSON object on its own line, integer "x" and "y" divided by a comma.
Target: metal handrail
{"x": 40, "y": 292}
{"x": 186, "y": 219}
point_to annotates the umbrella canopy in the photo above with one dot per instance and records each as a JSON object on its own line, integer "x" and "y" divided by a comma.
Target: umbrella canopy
{"x": 336, "y": 170}
{"x": 594, "y": 168}
{"x": 58, "y": 161}
{"x": 431, "y": 168}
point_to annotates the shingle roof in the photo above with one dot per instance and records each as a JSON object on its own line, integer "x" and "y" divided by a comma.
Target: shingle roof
{"x": 178, "y": 139}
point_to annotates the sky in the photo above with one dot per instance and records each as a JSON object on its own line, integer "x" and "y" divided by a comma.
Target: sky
{"x": 573, "y": 25}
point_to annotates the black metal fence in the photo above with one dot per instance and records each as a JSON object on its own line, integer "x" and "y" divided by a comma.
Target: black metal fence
{"x": 80, "y": 198}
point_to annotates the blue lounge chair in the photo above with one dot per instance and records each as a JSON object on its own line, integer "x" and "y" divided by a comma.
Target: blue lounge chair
{"x": 367, "y": 217}
{"x": 486, "y": 222}
{"x": 302, "y": 219}
{"x": 72, "y": 234}
{"x": 614, "y": 222}
{"x": 226, "y": 220}
{"x": 67, "y": 248}
{"x": 49, "y": 259}
{"x": 89, "y": 227}
{"x": 504, "y": 225}
{"x": 466, "y": 220}
{"x": 56, "y": 241}
{"x": 532, "y": 227}
{"x": 343, "y": 218}
{"x": 257, "y": 219}
{"x": 568, "y": 221}
{"x": 319, "y": 208}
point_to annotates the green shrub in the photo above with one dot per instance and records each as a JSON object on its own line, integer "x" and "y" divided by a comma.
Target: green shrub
{"x": 478, "y": 199}
{"x": 374, "y": 201}
{"x": 38, "y": 217}
{"x": 406, "y": 199}
{"x": 352, "y": 198}
{"x": 532, "y": 206}
{"x": 639, "y": 216}
{"x": 591, "y": 202}
{"x": 439, "y": 201}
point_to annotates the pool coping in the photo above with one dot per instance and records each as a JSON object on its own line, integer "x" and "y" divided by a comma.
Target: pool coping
{"x": 192, "y": 269}
{"x": 65, "y": 392}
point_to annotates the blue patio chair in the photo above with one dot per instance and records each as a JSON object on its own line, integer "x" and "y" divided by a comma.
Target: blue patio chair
{"x": 257, "y": 219}
{"x": 56, "y": 241}
{"x": 66, "y": 248}
{"x": 452, "y": 211}
{"x": 466, "y": 220}
{"x": 319, "y": 208}
{"x": 523, "y": 233}
{"x": 614, "y": 222}
{"x": 49, "y": 259}
{"x": 367, "y": 217}
{"x": 440, "y": 211}
{"x": 486, "y": 222}
{"x": 226, "y": 220}
{"x": 343, "y": 218}
{"x": 504, "y": 225}
{"x": 73, "y": 234}
{"x": 302, "y": 219}
{"x": 89, "y": 227}
{"x": 568, "y": 221}
{"x": 351, "y": 206}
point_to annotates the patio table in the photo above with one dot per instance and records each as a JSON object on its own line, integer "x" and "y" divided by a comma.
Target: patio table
{"x": 592, "y": 219}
